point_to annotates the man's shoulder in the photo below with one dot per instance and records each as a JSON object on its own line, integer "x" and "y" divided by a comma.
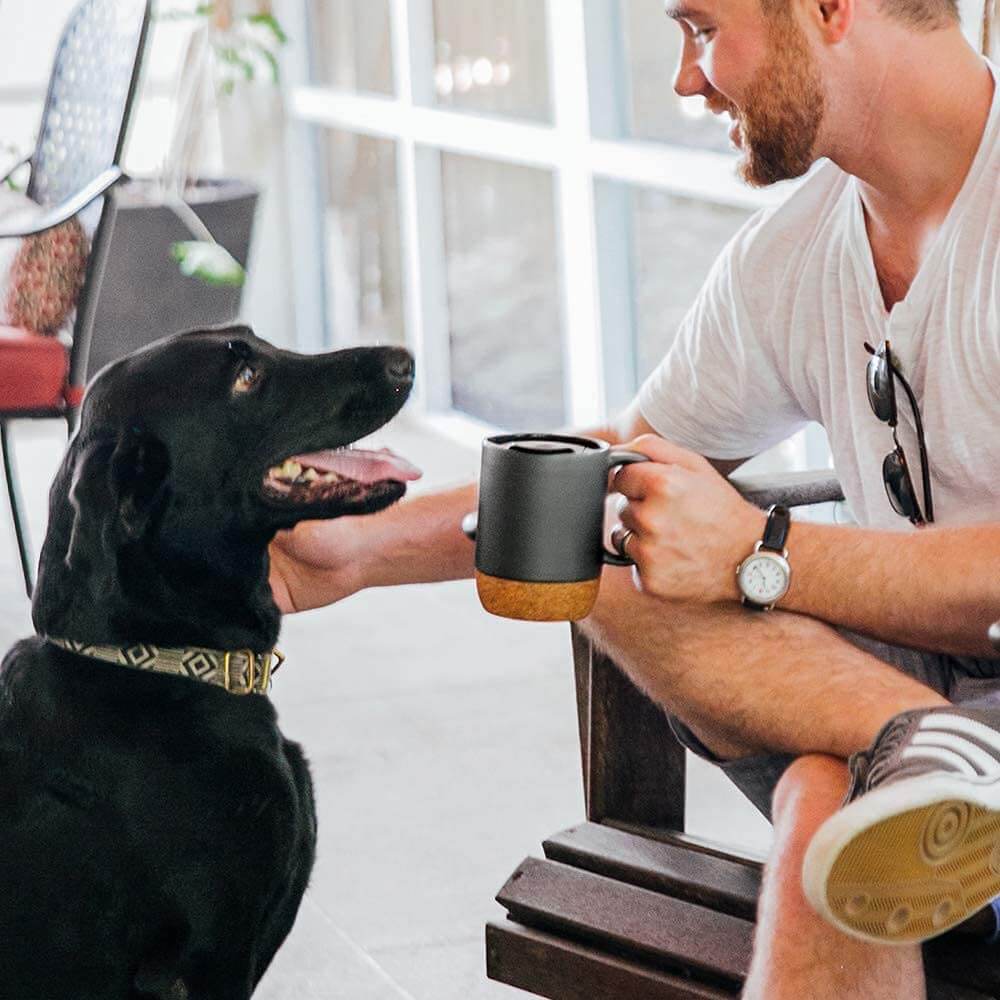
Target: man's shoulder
{"x": 783, "y": 233}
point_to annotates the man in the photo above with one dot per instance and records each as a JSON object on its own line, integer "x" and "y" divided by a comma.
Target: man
{"x": 896, "y": 239}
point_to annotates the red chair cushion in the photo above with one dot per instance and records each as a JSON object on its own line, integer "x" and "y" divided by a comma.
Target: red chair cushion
{"x": 33, "y": 370}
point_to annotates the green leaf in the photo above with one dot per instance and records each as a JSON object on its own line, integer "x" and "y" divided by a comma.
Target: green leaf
{"x": 202, "y": 10}
{"x": 270, "y": 22}
{"x": 231, "y": 55}
{"x": 265, "y": 53}
{"x": 208, "y": 262}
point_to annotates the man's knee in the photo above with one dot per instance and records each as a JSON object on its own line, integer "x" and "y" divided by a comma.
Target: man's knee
{"x": 623, "y": 614}
{"x": 811, "y": 789}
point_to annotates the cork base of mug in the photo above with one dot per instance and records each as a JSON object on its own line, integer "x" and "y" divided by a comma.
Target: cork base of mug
{"x": 537, "y": 602}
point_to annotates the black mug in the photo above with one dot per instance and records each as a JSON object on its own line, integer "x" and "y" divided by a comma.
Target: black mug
{"x": 539, "y": 530}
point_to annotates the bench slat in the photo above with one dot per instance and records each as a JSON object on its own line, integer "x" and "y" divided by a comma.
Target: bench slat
{"x": 728, "y": 886}
{"x": 731, "y": 886}
{"x": 559, "y": 969}
{"x": 629, "y": 920}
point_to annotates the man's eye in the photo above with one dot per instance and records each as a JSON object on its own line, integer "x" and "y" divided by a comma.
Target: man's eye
{"x": 247, "y": 378}
{"x": 702, "y": 34}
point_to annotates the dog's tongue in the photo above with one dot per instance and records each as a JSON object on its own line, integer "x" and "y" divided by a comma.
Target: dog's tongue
{"x": 363, "y": 466}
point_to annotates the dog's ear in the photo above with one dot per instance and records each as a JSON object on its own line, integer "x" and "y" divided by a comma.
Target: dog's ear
{"x": 138, "y": 471}
{"x": 117, "y": 484}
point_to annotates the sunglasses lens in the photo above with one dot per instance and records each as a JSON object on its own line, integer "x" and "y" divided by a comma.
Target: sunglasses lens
{"x": 881, "y": 394}
{"x": 899, "y": 486}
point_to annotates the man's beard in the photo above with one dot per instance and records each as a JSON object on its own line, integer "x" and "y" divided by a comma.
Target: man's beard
{"x": 782, "y": 111}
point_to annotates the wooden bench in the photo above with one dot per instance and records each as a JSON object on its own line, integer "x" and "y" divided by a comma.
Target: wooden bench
{"x": 626, "y": 906}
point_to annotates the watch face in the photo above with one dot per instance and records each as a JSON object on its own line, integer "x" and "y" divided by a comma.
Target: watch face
{"x": 763, "y": 577}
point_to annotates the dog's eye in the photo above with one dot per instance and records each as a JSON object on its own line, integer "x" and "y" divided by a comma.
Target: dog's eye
{"x": 247, "y": 379}
{"x": 240, "y": 348}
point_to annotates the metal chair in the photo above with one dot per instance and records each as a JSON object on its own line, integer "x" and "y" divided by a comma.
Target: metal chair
{"x": 74, "y": 166}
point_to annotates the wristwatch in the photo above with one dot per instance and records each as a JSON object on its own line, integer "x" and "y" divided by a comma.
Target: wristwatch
{"x": 763, "y": 577}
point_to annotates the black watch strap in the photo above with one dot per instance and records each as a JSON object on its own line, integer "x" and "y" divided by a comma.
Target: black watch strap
{"x": 779, "y": 520}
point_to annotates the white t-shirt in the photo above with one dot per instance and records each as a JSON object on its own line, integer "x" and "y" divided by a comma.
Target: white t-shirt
{"x": 776, "y": 339}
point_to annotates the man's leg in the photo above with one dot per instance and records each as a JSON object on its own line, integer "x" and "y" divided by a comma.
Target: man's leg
{"x": 753, "y": 687}
{"x": 797, "y": 954}
{"x": 747, "y": 682}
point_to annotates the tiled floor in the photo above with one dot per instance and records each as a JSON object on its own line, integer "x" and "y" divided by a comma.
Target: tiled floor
{"x": 443, "y": 749}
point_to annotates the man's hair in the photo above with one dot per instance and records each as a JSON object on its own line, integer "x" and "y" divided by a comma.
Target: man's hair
{"x": 925, "y": 15}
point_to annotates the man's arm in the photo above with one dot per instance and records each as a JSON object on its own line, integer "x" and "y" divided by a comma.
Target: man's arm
{"x": 936, "y": 588}
{"x": 416, "y": 541}
{"x": 632, "y": 424}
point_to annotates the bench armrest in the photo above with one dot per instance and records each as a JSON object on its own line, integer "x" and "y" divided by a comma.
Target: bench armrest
{"x": 793, "y": 489}
{"x": 31, "y": 222}
{"x": 633, "y": 767}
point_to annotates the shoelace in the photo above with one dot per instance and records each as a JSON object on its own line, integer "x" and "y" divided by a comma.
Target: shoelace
{"x": 888, "y": 743}
{"x": 870, "y": 769}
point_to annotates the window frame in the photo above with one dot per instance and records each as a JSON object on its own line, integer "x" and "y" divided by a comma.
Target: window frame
{"x": 594, "y": 282}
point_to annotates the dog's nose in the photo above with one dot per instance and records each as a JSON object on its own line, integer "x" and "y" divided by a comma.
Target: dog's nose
{"x": 399, "y": 366}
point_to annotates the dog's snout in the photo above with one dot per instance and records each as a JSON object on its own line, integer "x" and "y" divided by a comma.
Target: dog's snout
{"x": 399, "y": 367}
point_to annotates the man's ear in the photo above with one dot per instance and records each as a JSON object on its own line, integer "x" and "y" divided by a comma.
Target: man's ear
{"x": 117, "y": 485}
{"x": 833, "y": 18}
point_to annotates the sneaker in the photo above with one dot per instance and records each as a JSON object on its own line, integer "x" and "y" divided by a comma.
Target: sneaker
{"x": 916, "y": 848}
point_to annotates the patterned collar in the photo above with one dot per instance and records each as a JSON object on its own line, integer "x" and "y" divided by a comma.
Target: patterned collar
{"x": 238, "y": 671}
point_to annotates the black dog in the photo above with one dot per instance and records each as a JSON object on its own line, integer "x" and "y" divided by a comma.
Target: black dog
{"x": 157, "y": 832}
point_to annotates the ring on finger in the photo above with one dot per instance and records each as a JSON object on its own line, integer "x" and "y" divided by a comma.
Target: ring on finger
{"x": 622, "y": 540}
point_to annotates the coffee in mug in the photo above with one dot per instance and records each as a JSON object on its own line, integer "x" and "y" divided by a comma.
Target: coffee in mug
{"x": 539, "y": 544}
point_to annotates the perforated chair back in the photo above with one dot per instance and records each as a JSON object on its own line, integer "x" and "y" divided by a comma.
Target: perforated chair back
{"x": 81, "y": 135}
{"x": 94, "y": 75}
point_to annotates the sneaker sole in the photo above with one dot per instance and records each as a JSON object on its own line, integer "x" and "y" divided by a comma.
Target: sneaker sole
{"x": 909, "y": 861}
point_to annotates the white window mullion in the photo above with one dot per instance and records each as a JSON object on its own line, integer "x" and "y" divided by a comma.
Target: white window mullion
{"x": 420, "y": 208}
{"x": 307, "y": 205}
{"x": 575, "y": 212}
{"x": 690, "y": 173}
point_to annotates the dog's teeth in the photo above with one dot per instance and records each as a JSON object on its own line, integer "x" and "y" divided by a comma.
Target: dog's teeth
{"x": 310, "y": 475}
{"x": 292, "y": 469}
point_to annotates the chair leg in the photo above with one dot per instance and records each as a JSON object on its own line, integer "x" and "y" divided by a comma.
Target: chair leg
{"x": 20, "y": 530}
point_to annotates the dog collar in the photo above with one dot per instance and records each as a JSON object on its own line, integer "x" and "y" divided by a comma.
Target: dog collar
{"x": 238, "y": 671}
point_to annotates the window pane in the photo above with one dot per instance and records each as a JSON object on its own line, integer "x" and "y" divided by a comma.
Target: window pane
{"x": 20, "y": 130}
{"x": 676, "y": 242}
{"x": 490, "y": 55}
{"x": 351, "y": 45}
{"x": 503, "y": 292}
{"x": 653, "y": 48}
{"x": 362, "y": 253}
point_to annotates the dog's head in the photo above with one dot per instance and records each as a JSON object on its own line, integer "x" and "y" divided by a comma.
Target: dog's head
{"x": 194, "y": 451}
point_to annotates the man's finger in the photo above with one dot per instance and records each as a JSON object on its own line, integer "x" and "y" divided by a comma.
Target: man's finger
{"x": 666, "y": 452}
{"x": 628, "y": 516}
{"x": 642, "y": 479}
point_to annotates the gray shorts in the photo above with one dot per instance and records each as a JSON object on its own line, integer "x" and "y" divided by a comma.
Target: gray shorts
{"x": 962, "y": 680}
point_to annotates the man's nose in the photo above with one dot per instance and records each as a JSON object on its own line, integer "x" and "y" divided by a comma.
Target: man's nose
{"x": 689, "y": 80}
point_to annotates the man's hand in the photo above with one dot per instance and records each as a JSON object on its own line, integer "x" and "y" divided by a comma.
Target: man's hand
{"x": 416, "y": 541}
{"x": 690, "y": 527}
{"x": 315, "y": 563}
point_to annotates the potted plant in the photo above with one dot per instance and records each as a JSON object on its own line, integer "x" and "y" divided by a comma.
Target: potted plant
{"x": 182, "y": 240}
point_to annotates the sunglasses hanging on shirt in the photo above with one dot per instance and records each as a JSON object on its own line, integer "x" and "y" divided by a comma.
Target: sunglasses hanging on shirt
{"x": 882, "y": 373}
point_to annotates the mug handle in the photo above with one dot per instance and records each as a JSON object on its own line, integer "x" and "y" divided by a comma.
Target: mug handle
{"x": 621, "y": 458}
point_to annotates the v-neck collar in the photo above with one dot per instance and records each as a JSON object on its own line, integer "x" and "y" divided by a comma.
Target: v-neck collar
{"x": 914, "y": 301}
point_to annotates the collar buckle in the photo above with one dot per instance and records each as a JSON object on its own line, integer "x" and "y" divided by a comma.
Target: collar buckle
{"x": 259, "y": 667}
